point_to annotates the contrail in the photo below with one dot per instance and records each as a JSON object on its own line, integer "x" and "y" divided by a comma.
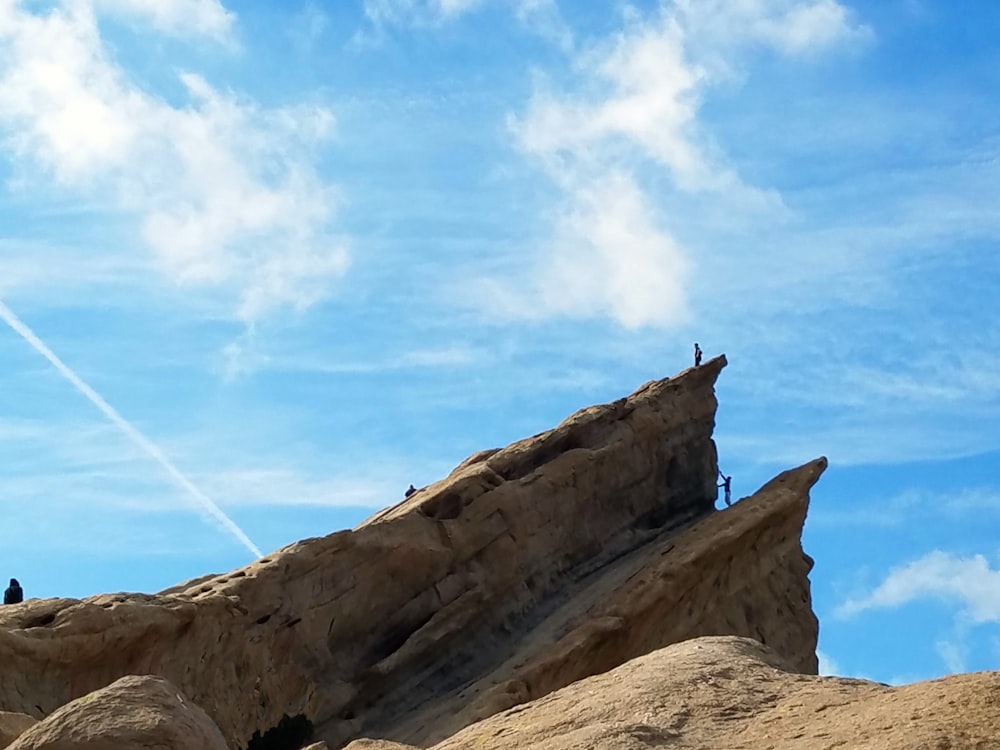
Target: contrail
{"x": 204, "y": 503}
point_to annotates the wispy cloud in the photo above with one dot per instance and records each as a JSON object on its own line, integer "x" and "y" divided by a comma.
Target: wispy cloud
{"x": 610, "y": 257}
{"x": 244, "y": 357}
{"x": 544, "y": 18}
{"x": 291, "y": 487}
{"x": 416, "y": 12}
{"x": 914, "y": 506}
{"x": 223, "y": 189}
{"x": 795, "y": 28}
{"x": 954, "y": 654}
{"x": 827, "y": 665}
{"x": 206, "y": 17}
{"x": 540, "y": 17}
{"x": 87, "y": 465}
{"x": 60, "y": 267}
{"x": 968, "y": 582}
{"x": 308, "y": 26}
{"x": 623, "y": 140}
{"x": 201, "y": 501}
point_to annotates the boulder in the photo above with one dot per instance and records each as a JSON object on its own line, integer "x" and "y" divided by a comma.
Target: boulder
{"x": 12, "y": 725}
{"x": 735, "y": 693}
{"x": 133, "y": 713}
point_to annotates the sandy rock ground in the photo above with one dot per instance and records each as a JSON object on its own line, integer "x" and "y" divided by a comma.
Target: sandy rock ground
{"x": 733, "y": 693}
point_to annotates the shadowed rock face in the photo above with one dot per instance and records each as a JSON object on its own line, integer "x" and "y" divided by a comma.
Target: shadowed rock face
{"x": 527, "y": 568}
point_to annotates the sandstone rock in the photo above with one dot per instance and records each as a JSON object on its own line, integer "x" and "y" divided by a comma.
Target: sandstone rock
{"x": 527, "y": 568}
{"x": 739, "y": 571}
{"x": 133, "y": 713}
{"x": 13, "y": 725}
{"x": 366, "y": 744}
{"x": 734, "y": 693}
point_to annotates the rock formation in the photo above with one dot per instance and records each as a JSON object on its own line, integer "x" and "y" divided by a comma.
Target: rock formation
{"x": 526, "y": 569}
{"x": 132, "y": 713}
{"x": 13, "y": 726}
{"x": 734, "y": 693}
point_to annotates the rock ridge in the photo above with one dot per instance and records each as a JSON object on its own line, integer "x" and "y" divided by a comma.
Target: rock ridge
{"x": 527, "y": 568}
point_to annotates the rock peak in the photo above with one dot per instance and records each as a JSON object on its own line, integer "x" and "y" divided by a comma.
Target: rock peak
{"x": 527, "y": 568}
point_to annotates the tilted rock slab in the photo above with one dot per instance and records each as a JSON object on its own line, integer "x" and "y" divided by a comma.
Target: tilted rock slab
{"x": 525, "y": 569}
{"x": 738, "y": 571}
{"x": 736, "y": 694}
{"x": 133, "y": 713}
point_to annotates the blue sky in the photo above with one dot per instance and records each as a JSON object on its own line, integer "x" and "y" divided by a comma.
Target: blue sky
{"x": 315, "y": 252}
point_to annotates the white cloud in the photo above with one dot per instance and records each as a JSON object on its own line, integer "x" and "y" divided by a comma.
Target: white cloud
{"x": 283, "y": 486}
{"x": 796, "y": 28}
{"x": 827, "y": 666}
{"x": 543, "y": 17}
{"x": 630, "y": 120}
{"x": 383, "y": 12}
{"x": 90, "y": 468}
{"x": 416, "y": 12}
{"x": 59, "y": 268}
{"x": 448, "y": 8}
{"x": 609, "y": 258}
{"x": 206, "y": 17}
{"x": 243, "y": 357}
{"x": 224, "y": 190}
{"x": 808, "y": 29}
{"x": 968, "y": 582}
{"x": 623, "y": 141}
{"x": 647, "y": 94}
{"x": 954, "y": 655}
{"x": 912, "y": 505}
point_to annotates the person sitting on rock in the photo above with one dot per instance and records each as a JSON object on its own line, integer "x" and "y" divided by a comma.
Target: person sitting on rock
{"x": 697, "y": 354}
{"x": 410, "y": 490}
{"x": 14, "y": 593}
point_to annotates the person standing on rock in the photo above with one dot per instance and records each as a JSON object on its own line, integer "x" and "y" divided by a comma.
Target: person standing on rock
{"x": 14, "y": 593}
{"x": 697, "y": 354}
{"x": 727, "y": 487}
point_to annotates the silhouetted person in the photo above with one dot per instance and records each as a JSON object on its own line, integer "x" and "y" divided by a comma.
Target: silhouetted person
{"x": 14, "y": 593}
{"x": 697, "y": 355}
{"x": 727, "y": 486}
{"x": 410, "y": 490}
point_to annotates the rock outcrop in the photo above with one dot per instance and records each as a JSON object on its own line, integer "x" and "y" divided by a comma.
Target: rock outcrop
{"x": 734, "y": 693}
{"x": 13, "y": 725}
{"x": 133, "y": 713}
{"x": 526, "y": 569}
{"x": 742, "y": 571}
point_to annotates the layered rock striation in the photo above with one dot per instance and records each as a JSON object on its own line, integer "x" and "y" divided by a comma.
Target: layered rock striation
{"x": 526, "y": 569}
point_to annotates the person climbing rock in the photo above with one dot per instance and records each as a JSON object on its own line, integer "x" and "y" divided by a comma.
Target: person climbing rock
{"x": 14, "y": 593}
{"x": 697, "y": 354}
{"x": 410, "y": 490}
{"x": 727, "y": 486}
